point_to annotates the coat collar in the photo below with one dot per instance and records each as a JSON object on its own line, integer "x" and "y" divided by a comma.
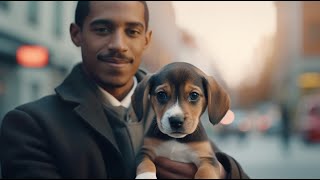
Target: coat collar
{"x": 78, "y": 88}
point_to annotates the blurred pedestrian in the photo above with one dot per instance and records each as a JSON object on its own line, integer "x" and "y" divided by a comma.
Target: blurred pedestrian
{"x": 285, "y": 119}
{"x": 88, "y": 129}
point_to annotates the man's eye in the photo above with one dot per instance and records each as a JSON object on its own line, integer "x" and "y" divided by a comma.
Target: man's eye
{"x": 133, "y": 33}
{"x": 162, "y": 96}
{"x": 102, "y": 30}
{"x": 193, "y": 96}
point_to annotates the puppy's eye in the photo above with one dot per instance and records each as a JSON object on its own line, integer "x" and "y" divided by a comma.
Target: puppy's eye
{"x": 162, "y": 96}
{"x": 193, "y": 96}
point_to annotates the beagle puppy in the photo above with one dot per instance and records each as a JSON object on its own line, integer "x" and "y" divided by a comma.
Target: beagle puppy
{"x": 179, "y": 94}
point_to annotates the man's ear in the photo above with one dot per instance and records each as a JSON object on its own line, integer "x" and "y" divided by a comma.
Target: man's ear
{"x": 148, "y": 39}
{"x": 75, "y": 34}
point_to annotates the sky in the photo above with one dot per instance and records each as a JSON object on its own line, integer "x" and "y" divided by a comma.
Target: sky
{"x": 229, "y": 31}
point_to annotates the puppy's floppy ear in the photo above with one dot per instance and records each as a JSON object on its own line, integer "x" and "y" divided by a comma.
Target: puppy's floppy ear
{"x": 218, "y": 100}
{"x": 139, "y": 99}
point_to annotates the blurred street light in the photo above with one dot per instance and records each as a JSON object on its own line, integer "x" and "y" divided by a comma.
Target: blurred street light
{"x": 32, "y": 56}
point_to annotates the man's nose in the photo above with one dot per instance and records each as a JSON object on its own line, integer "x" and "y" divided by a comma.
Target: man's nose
{"x": 118, "y": 42}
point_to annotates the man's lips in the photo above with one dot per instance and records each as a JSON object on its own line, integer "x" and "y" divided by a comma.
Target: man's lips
{"x": 115, "y": 60}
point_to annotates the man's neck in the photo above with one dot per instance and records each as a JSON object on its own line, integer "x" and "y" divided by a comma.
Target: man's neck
{"x": 119, "y": 92}
{"x": 125, "y": 102}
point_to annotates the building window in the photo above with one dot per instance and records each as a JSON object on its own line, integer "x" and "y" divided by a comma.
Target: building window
{"x": 33, "y": 12}
{"x": 58, "y": 18}
{"x": 4, "y": 5}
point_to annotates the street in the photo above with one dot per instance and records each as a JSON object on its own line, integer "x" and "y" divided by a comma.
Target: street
{"x": 266, "y": 157}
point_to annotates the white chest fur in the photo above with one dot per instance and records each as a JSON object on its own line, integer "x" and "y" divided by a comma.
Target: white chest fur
{"x": 177, "y": 151}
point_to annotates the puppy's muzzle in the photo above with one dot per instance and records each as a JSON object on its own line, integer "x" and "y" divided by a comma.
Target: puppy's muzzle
{"x": 176, "y": 122}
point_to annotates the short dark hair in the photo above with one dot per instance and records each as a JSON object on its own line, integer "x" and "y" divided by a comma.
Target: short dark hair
{"x": 83, "y": 7}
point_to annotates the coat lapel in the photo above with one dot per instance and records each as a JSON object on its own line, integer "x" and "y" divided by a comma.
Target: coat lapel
{"x": 77, "y": 88}
{"x": 135, "y": 130}
{"x": 96, "y": 118}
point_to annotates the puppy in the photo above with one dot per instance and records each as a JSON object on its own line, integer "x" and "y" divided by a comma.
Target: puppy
{"x": 179, "y": 94}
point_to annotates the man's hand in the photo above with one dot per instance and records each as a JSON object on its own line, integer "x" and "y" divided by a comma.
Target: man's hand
{"x": 168, "y": 169}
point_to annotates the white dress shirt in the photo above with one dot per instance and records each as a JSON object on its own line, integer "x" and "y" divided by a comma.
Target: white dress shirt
{"x": 125, "y": 102}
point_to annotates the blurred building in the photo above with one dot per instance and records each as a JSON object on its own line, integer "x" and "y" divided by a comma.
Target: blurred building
{"x": 297, "y": 51}
{"x": 164, "y": 44}
{"x": 25, "y": 23}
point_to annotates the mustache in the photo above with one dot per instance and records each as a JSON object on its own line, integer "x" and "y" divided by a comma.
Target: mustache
{"x": 113, "y": 55}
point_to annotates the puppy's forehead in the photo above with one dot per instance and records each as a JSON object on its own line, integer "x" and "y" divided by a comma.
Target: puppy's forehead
{"x": 178, "y": 74}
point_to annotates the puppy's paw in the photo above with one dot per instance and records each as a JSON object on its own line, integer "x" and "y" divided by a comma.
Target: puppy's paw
{"x": 147, "y": 175}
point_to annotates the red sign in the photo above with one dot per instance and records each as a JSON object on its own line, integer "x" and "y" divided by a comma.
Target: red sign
{"x": 32, "y": 56}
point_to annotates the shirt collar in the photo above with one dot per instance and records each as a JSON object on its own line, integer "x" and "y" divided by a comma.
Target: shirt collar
{"x": 114, "y": 102}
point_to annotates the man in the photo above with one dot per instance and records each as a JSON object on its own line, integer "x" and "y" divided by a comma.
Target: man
{"x": 88, "y": 128}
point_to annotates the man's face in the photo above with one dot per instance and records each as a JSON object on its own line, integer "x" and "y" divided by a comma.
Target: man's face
{"x": 112, "y": 40}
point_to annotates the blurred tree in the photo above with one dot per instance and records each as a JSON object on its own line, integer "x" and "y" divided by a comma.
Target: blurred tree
{"x": 252, "y": 93}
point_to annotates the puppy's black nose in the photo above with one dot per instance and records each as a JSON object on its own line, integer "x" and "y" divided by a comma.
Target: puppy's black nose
{"x": 176, "y": 122}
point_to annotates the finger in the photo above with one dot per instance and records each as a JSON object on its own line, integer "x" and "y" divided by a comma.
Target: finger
{"x": 186, "y": 169}
{"x": 163, "y": 173}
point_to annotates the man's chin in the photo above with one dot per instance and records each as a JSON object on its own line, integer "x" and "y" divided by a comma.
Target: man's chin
{"x": 112, "y": 84}
{"x": 115, "y": 82}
